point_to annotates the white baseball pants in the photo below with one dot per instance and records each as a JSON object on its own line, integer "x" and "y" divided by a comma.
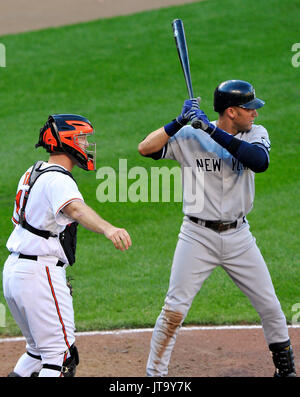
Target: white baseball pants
{"x": 40, "y": 302}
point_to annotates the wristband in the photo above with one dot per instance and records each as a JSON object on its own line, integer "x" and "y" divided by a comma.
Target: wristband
{"x": 172, "y": 127}
{"x": 211, "y": 128}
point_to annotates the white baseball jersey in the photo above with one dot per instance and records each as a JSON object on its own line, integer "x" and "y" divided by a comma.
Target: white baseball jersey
{"x": 50, "y": 194}
{"x": 216, "y": 186}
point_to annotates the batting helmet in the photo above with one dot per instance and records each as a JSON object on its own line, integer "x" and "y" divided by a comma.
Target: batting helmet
{"x": 235, "y": 93}
{"x": 60, "y": 135}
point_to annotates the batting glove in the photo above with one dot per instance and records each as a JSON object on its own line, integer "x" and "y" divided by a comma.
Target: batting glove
{"x": 188, "y": 109}
{"x": 201, "y": 121}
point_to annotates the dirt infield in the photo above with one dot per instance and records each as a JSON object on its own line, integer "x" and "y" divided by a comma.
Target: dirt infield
{"x": 197, "y": 353}
{"x": 19, "y": 16}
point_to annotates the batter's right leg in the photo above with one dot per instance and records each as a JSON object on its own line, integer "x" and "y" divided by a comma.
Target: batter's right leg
{"x": 163, "y": 341}
{"x": 192, "y": 264}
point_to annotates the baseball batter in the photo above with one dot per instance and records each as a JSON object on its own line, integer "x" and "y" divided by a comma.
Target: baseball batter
{"x": 47, "y": 210}
{"x": 223, "y": 157}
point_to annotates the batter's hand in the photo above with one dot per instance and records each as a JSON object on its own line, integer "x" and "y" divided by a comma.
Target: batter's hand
{"x": 201, "y": 121}
{"x": 119, "y": 237}
{"x": 188, "y": 110}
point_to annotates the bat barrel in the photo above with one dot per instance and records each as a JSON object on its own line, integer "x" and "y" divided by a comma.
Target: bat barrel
{"x": 179, "y": 36}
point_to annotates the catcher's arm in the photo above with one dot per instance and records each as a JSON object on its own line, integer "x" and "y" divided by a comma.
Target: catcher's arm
{"x": 90, "y": 220}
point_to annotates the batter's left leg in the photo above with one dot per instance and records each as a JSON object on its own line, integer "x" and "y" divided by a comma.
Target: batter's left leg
{"x": 251, "y": 275}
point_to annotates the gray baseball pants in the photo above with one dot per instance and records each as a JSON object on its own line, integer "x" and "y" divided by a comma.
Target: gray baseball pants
{"x": 199, "y": 251}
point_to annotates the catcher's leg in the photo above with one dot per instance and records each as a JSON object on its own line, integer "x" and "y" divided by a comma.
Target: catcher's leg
{"x": 193, "y": 263}
{"x": 59, "y": 353}
{"x": 60, "y": 365}
{"x": 28, "y": 365}
{"x": 18, "y": 282}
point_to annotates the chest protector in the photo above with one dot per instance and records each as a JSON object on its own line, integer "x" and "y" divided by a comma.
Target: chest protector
{"x": 68, "y": 237}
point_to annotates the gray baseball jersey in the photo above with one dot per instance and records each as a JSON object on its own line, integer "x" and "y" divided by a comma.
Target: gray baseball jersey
{"x": 226, "y": 191}
{"x": 216, "y": 186}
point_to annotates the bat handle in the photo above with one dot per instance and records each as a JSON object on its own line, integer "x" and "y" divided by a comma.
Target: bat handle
{"x": 190, "y": 92}
{"x": 196, "y": 124}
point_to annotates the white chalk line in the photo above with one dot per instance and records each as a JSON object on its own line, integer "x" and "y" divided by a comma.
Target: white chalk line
{"x": 141, "y": 330}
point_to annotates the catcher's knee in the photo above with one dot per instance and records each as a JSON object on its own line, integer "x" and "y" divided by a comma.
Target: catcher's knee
{"x": 68, "y": 367}
{"x": 28, "y": 365}
{"x": 70, "y": 364}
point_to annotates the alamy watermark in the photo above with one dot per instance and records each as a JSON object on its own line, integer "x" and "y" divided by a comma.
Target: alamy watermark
{"x": 296, "y": 57}
{"x": 296, "y": 317}
{"x": 2, "y": 55}
{"x": 2, "y": 315}
{"x": 138, "y": 184}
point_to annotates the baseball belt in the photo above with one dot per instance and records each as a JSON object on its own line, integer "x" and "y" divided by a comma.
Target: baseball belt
{"x": 35, "y": 258}
{"x": 214, "y": 225}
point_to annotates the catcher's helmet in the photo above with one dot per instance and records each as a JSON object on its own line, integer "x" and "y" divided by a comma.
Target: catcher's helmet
{"x": 235, "y": 93}
{"x": 61, "y": 134}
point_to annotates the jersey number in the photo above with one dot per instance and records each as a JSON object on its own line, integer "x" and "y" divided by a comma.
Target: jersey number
{"x": 19, "y": 194}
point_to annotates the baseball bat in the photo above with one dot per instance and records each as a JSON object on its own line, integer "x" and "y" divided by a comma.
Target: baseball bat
{"x": 179, "y": 36}
{"x": 180, "y": 40}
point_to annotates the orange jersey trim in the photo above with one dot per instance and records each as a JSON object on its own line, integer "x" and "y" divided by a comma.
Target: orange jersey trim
{"x": 26, "y": 179}
{"x": 67, "y": 202}
{"x": 14, "y": 220}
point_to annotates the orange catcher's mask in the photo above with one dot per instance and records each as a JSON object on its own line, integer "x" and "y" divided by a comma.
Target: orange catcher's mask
{"x": 69, "y": 133}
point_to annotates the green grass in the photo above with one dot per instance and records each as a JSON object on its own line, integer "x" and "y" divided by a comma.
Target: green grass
{"x": 124, "y": 75}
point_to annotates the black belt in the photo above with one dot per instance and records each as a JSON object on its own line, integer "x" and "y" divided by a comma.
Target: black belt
{"x": 35, "y": 258}
{"x": 214, "y": 225}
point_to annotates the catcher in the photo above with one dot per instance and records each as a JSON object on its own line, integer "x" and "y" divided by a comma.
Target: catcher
{"x": 47, "y": 211}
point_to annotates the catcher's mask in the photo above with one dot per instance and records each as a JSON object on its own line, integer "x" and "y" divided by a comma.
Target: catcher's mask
{"x": 68, "y": 133}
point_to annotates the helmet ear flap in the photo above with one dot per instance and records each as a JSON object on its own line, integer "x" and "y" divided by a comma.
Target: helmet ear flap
{"x": 40, "y": 141}
{"x": 55, "y": 133}
{"x": 49, "y": 137}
